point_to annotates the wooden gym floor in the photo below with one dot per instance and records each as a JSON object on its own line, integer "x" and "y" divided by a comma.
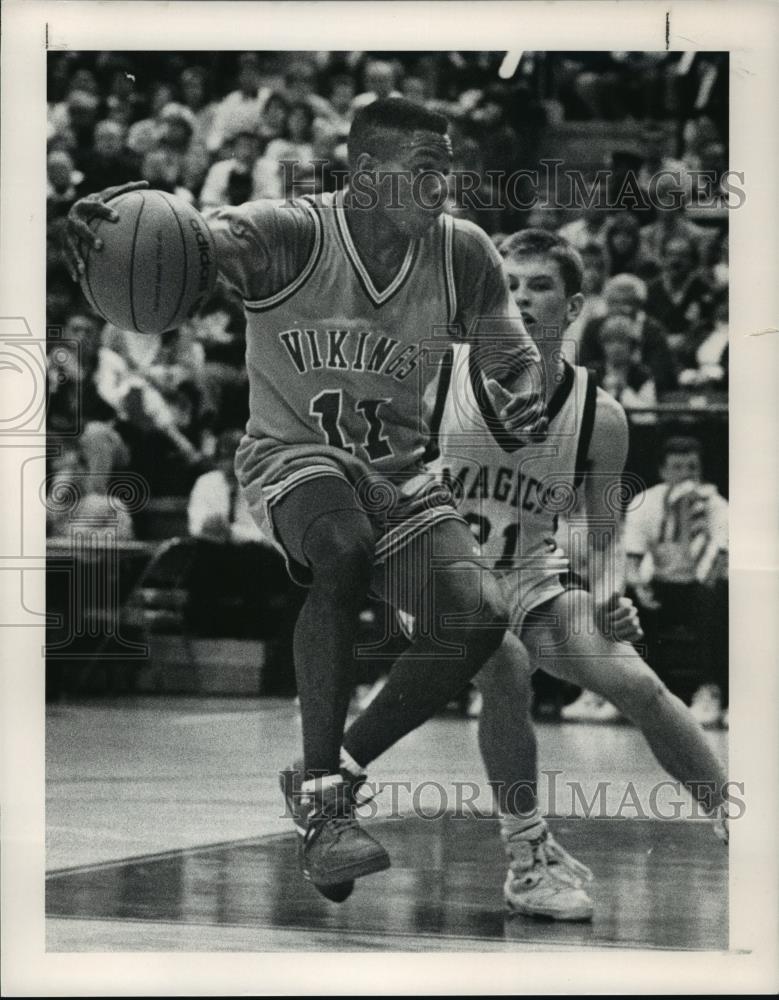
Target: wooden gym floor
{"x": 165, "y": 832}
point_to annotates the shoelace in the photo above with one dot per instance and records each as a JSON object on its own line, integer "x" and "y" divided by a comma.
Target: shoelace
{"x": 337, "y": 813}
{"x": 555, "y": 859}
{"x": 334, "y": 814}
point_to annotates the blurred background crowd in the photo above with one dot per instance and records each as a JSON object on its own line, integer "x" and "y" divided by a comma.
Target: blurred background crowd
{"x": 225, "y": 128}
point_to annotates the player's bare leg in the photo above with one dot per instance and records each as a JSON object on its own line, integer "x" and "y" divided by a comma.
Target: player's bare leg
{"x": 543, "y": 880}
{"x": 584, "y": 656}
{"x": 460, "y": 622}
{"x": 322, "y": 527}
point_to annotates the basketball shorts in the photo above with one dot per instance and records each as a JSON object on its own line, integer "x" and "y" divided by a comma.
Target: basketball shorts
{"x": 400, "y": 508}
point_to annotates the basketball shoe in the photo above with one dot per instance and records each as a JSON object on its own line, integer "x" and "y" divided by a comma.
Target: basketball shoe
{"x": 589, "y": 707}
{"x": 543, "y": 879}
{"x": 333, "y": 850}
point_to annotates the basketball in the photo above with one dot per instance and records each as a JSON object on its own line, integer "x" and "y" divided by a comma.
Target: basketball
{"x": 157, "y": 264}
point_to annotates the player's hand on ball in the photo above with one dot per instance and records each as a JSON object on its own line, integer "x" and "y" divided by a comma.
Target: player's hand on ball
{"x": 77, "y": 224}
{"x": 522, "y": 413}
{"x": 621, "y": 620}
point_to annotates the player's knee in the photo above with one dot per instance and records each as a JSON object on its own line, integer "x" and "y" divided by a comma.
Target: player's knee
{"x": 475, "y": 609}
{"x": 340, "y": 549}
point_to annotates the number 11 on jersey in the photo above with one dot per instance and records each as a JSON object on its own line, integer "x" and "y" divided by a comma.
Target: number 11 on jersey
{"x": 327, "y": 407}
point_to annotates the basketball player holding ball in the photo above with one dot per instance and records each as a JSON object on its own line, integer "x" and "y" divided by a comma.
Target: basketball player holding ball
{"x": 341, "y": 294}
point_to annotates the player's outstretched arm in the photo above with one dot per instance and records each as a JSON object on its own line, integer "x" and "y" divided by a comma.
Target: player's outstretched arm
{"x": 77, "y": 228}
{"x": 606, "y": 462}
{"x": 501, "y": 348}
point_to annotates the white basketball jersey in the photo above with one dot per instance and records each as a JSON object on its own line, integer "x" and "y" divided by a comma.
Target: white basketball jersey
{"x": 513, "y": 498}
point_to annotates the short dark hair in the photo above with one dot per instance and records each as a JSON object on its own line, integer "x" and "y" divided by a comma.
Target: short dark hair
{"x": 371, "y": 124}
{"x": 692, "y": 246}
{"x": 681, "y": 446}
{"x": 543, "y": 243}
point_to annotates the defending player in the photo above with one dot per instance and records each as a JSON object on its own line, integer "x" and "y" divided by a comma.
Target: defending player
{"x": 341, "y": 293}
{"x": 513, "y": 501}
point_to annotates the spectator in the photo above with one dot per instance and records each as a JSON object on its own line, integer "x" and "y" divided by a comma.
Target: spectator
{"x": 75, "y": 405}
{"x": 84, "y": 80}
{"x": 62, "y": 295}
{"x": 699, "y": 135}
{"x": 544, "y": 217}
{"x": 192, "y": 84}
{"x": 73, "y": 495}
{"x": 168, "y": 443}
{"x": 300, "y": 88}
{"x": 622, "y": 240}
{"x": 655, "y": 162}
{"x": 122, "y": 90}
{"x": 108, "y": 161}
{"x": 63, "y": 183}
{"x": 594, "y": 306}
{"x": 219, "y": 329}
{"x": 380, "y": 81}
{"x": 670, "y": 199}
{"x": 718, "y": 271}
{"x": 162, "y": 169}
{"x": 588, "y": 228}
{"x": 273, "y": 124}
{"x": 139, "y": 375}
{"x": 241, "y": 110}
{"x": 704, "y": 355}
{"x": 620, "y": 374}
{"x": 145, "y": 134}
{"x": 178, "y": 135}
{"x": 680, "y": 298}
{"x": 414, "y": 88}
{"x": 341, "y": 98}
{"x": 217, "y": 508}
{"x": 119, "y": 110}
{"x": 626, "y": 295}
{"x": 243, "y": 177}
{"x": 676, "y": 541}
{"x": 72, "y": 122}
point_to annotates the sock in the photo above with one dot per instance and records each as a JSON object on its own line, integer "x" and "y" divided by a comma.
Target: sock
{"x": 350, "y": 765}
{"x": 511, "y": 825}
{"x": 313, "y": 785}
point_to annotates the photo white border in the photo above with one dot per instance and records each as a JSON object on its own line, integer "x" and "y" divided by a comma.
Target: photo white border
{"x": 750, "y": 30}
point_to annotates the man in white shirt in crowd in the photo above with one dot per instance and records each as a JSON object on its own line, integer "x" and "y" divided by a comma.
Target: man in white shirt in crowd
{"x": 241, "y": 110}
{"x": 217, "y": 510}
{"x": 379, "y": 84}
{"x": 676, "y": 541}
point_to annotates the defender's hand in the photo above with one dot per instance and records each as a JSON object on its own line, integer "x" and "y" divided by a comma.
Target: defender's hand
{"x": 621, "y": 620}
{"x": 522, "y": 413}
{"x": 646, "y": 597}
{"x": 77, "y": 223}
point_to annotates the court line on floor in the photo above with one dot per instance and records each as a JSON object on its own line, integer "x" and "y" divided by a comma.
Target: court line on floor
{"x": 270, "y": 837}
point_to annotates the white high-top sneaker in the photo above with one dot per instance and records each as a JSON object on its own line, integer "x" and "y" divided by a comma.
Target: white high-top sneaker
{"x": 543, "y": 879}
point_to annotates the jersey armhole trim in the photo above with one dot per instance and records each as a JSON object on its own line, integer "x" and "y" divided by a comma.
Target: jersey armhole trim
{"x": 261, "y": 305}
{"x": 433, "y": 449}
{"x": 451, "y": 289}
{"x": 588, "y": 423}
